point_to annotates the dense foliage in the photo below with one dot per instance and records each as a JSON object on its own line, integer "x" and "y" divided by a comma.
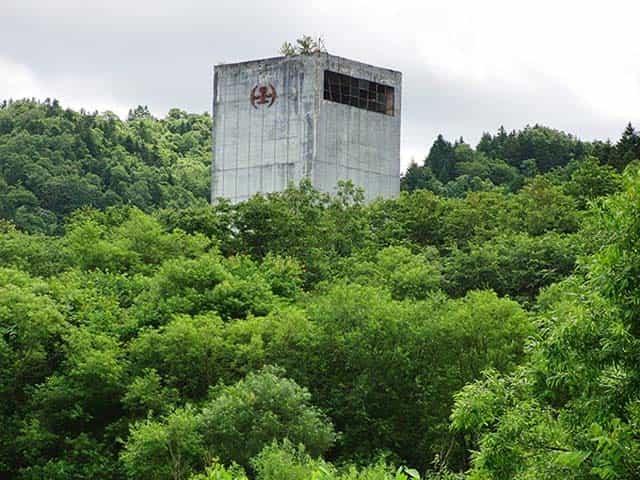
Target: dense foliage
{"x": 145, "y": 334}
{"x": 572, "y": 410}
{"x": 508, "y": 160}
{"x": 55, "y": 160}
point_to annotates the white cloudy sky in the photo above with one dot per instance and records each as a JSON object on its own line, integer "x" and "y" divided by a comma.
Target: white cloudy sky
{"x": 469, "y": 66}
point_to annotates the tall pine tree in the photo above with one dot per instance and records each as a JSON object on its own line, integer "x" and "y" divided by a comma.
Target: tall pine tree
{"x": 441, "y": 159}
{"x": 627, "y": 149}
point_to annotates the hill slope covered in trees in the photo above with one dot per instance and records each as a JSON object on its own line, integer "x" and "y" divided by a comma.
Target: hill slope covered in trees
{"x": 148, "y": 335}
{"x": 56, "y": 160}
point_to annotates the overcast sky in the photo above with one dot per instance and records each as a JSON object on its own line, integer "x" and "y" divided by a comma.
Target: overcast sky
{"x": 468, "y": 66}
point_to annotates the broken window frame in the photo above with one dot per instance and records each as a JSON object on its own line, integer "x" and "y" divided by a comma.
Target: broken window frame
{"x": 359, "y": 93}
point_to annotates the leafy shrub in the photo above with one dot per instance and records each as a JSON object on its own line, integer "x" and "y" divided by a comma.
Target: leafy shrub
{"x": 241, "y": 419}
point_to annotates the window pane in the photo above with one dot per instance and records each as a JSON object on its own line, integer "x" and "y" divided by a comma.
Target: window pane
{"x": 358, "y": 92}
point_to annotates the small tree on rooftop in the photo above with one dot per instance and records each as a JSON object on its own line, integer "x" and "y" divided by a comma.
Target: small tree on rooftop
{"x": 305, "y": 45}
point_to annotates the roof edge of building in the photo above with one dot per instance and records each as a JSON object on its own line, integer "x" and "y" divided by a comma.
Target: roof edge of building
{"x": 282, "y": 57}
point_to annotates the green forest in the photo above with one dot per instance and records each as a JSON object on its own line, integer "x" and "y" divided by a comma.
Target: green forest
{"x": 484, "y": 325}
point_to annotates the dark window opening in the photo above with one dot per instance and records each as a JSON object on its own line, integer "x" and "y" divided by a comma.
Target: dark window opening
{"x": 358, "y": 92}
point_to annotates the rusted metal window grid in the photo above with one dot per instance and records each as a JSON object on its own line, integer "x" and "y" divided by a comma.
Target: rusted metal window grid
{"x": 358, "y": 92}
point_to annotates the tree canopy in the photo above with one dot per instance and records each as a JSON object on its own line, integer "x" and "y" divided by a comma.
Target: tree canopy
{"x": 481, "y": 325}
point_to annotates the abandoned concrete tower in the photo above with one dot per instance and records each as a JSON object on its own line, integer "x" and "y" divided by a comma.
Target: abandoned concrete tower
{"x": 319, "y": 116}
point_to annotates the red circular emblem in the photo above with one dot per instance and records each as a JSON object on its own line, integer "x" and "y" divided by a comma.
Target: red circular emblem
{"x": 263, "y": 95}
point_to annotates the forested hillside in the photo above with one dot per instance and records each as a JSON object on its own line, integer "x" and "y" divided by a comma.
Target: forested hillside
{"x": 55, "y": 160}
{"x": 509, "y": 160}
{"x": 482, "y": 325}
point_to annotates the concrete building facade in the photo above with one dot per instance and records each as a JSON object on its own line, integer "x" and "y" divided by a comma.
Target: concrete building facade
{"x": 278, "y": 120}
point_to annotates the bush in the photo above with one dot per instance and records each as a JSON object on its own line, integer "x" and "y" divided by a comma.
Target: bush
{"x": 241, "y": 419}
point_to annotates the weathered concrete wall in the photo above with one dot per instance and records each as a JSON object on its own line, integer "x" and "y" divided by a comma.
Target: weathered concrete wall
{"x": 357, "y": 144}
{"x": 261, "y": 148}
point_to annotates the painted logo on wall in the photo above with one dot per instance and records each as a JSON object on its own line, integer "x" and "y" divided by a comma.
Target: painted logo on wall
{"x": 263, "y": 95}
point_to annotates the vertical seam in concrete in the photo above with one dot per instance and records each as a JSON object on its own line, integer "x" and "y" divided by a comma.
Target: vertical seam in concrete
{"x": 348, "y": 142}
{"x": 301, "y": 121}
{"x": 261, "y": 159}
{"x": 212, "y": 192}
{"x": 275, "y": 140}
{"x": 287, "y": 115}
{"x": 275, "y": 133}
{"x": 314, "y": 119}
{"x": 223, "y": 107}
{"x": 249, "y": 138}
{"x": 335, "y": 147}
{"x": 237, "y": 111}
